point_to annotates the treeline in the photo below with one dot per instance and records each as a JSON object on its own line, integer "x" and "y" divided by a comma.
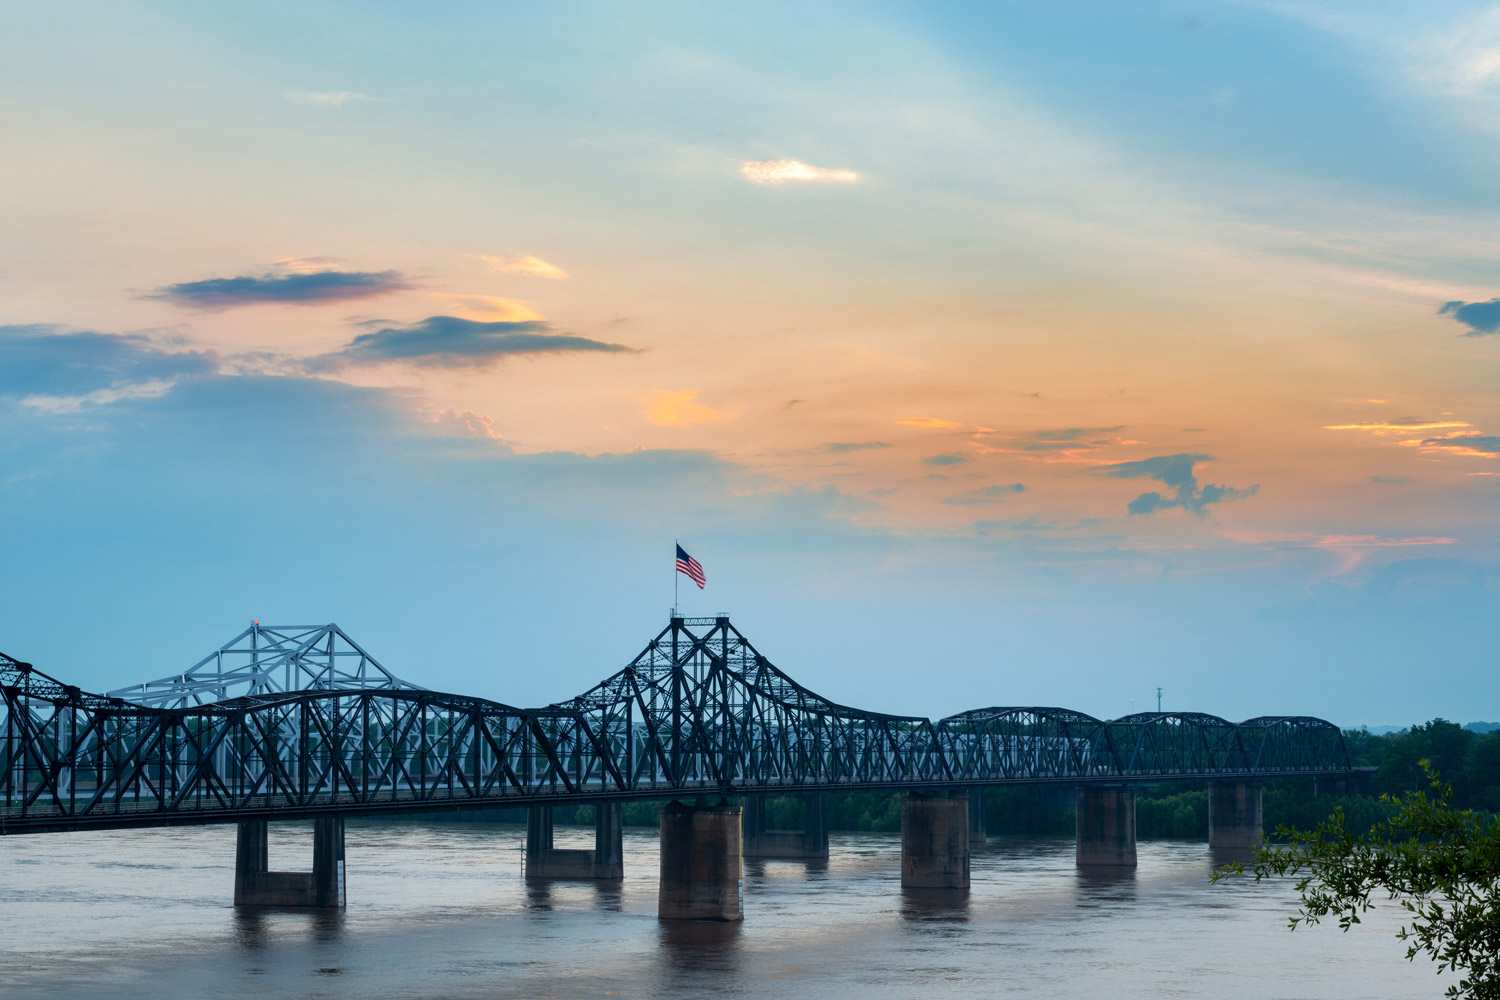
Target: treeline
{"x": 1469, "y": 761}
{"x": 1175, "y": 810}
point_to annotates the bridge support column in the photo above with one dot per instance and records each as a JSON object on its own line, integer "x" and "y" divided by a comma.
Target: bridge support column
{"x": 609, "y": 840}
{"x": 700, "y": 863}
{"x": 1326, "y": 785}
{"x": 809, "y": 842}
{"x": 1234, "y": 814}
{"x": 1106, "y": 826}
{"x": 977, "y": 836}
{"x": 605, "y": 861}
{"x": 935, "y": 840}
{"x": 255, "y": 885}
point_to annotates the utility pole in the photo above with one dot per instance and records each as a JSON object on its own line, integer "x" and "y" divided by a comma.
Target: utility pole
{"x": 1158, "y": 701}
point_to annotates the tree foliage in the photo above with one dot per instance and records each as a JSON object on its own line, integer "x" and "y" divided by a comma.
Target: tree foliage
{"x": 1440, "y": 864}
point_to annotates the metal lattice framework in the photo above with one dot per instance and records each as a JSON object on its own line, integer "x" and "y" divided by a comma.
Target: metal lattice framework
{"x": 266, "y": 659}
{"x": 699, "y": 711}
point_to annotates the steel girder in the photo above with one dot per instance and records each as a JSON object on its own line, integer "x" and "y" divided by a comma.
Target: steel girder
{"x": 270, "y": 658}
{"x": 699, "y": 711}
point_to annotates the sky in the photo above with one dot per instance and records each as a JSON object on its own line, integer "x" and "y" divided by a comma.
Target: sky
{"x": 983, "y": 354}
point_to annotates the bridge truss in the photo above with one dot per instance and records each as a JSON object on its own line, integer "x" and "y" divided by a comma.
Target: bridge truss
{"x": 698, "y": 712}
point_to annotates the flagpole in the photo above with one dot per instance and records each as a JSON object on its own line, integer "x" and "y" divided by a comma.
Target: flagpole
{"x": 675, "y": 575}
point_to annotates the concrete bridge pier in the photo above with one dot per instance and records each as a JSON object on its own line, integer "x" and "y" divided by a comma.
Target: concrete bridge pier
{"x": 1105, "y": 826}
{"x": 701, "y": 877}
{"x": 605, "y": 861}
{"x": 935, "y": 840}
{"x": 1326, "y": 785}
{"x": 977, "y": 836}
{"x": 1234, "y": 814}
{"x": 256, "y": 885}
{"x": 810, "y": 842}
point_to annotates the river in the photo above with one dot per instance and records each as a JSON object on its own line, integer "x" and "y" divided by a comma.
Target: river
{"x": 441, "y": 910}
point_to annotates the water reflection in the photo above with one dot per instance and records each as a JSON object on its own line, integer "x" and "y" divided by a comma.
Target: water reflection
{"x": 254, "y": 926}
{"x": 250, "y": 930}
{"x": 538, "y": 894}
{"x": 544, "y": 894}
{"x": 1102, "y": 885}
{"x": 609, "y": 895}
{"x": 1221, "y": 856}
{"x": 948, "y": 906}
{"x": 810, "y": 869}
{"x": 690, "y": 946}
{"x": 326, "y": 925}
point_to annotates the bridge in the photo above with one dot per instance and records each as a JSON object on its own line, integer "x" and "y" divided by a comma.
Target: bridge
{"x": 300, "y": 722}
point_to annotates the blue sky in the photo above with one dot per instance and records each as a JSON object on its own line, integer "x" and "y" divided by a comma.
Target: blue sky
{"x": 995, "y": 354}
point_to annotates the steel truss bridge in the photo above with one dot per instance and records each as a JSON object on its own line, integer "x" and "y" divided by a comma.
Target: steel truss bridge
{"x": 298, "y": 721}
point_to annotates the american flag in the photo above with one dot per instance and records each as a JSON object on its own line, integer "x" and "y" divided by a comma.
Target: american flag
{"x": 687, "y": 564}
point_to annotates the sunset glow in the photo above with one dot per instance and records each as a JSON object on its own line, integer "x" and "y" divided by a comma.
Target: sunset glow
{"x": 957, "y": 338}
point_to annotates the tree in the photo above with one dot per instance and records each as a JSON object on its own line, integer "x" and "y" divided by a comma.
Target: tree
{"x": 1444, "y": 743}
{"x": 1439, "y": 863}
{"x": 1483, "y": 773}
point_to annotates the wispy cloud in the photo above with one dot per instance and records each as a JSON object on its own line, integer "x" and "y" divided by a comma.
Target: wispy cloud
{"x": 453, "y": 342}
{"x": 533, "y": 267}
{"x": 1459, "y": 438}
{"x": 308, "y": 265}
{"x": 1407, "y": 426}
{"x": 791, "y": 172}
{"x": 1466, "y": 58}
{"x": 1457, "y": 57}
{"x": 461, "y": 423}
{"x": 929, "y": 423}
{"x": 299, "y": 288}
{"x": 841, "y": 447}
{"x": 1066, "y": 436}
{"x": 945, "y": 459}
{"x": 486, "y": 308}
{"x": 1482, "y": 318}
{"x": 1349, "y": 550}
{"x": 680, "y": 407}
{"x": 1062, "y": 444}
{"x": 1176, "y": 471}
{"x": 987, "y": 494}
{"x": 325, "y": 98}
{"x": 48, "y": 367}
{"x": 1476, "y": 445}
{"x": 152, "y": 389}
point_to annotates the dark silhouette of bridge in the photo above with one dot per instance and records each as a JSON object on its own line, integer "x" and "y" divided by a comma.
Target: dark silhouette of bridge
{"x": 301, "y": 722}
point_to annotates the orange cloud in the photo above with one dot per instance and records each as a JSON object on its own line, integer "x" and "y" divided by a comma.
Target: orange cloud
{"x": 533, "y": 267}
{"x": 486, "y": 308}
{"x": 677, "y": 408}
{"x": 1471, "y": 445}
{"x": 1399, "y": 426}
{"x": 1076, "y": 445}
{"x": 782, "y": 171}
{"x": 931, "y": 423}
